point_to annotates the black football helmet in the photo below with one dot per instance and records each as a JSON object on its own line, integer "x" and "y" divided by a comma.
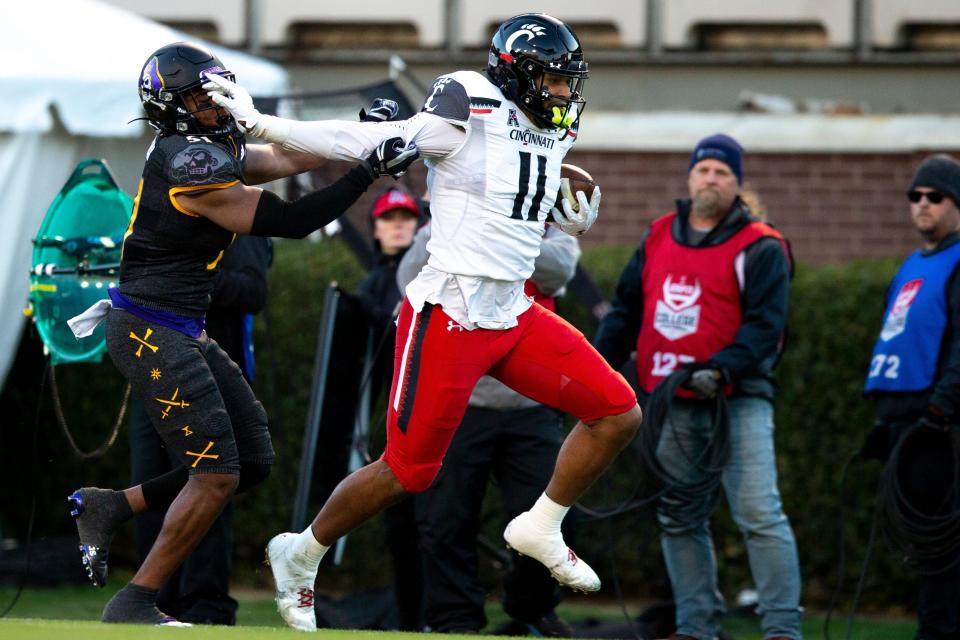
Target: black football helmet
{"x": 169, "y": 74}
{"x": 523, "y": 49}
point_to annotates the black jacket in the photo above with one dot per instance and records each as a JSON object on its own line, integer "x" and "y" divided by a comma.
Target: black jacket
{"x": 377, "y": 300}
{"x": 749, "y": 360}
{"x": 378, "y": 293}
{"x": 894, "y": 408}
{"x": 240, "y": 288}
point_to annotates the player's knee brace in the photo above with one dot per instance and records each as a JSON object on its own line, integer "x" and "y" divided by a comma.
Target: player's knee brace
{"x": 252, "y": 474}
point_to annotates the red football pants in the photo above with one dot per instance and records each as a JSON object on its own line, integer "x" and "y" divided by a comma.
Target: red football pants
{"x": 437, "y": 363}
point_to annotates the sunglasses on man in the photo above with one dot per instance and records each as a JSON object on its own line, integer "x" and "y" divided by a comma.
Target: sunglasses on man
{"x": 933, "y": 197}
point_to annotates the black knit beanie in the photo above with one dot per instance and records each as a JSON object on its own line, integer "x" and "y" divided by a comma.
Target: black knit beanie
{"x": 940, "y": 172}
{"x": 719, "y": 147}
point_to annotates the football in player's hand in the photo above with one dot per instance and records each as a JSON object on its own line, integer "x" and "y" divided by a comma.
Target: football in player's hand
{"x": 573, "y": 179}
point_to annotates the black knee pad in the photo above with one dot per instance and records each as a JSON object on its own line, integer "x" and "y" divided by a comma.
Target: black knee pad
{"x": 252, "y": 474}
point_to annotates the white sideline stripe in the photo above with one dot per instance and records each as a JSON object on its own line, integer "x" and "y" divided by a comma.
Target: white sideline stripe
{"x": 403, "y": 362}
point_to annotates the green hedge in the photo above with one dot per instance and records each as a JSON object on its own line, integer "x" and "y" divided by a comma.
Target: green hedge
{"x": 821, "y": 418}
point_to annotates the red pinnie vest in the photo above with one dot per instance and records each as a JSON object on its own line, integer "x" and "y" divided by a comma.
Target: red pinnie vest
{"x": 691, "y": 295}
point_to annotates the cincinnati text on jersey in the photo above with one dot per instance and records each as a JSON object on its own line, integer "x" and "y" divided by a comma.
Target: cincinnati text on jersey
{"x": 529, "y": 137}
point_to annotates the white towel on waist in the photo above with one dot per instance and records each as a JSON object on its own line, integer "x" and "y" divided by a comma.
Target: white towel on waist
{"x": 84, "y": 324}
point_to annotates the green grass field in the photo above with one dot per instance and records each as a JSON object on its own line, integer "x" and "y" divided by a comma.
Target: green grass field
{"x": 71, "y": 613}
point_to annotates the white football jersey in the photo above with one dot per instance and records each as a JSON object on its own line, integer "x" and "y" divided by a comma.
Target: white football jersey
{"x": 490, "y": 198}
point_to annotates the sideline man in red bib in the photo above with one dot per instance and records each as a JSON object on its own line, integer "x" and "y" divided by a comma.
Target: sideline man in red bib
{"x": 707, "y": 289}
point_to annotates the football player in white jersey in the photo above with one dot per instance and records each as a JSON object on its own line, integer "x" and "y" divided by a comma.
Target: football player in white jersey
{"x": 493, "y": 143}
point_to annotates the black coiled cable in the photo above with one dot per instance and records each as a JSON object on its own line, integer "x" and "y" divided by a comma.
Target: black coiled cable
{"x": 842, "y": 555}
{"x": 689, "y": 502}
{"x": 929, "y": 538}
{"x": 688, "y": 494}
{"x": 686, "y": 502}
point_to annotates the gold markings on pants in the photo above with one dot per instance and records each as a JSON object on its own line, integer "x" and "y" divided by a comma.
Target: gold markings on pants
{"x": 171, "y": 403}
{"x": 155, "y": 374}
{"x": 186, "y": 430}
{"x": 143, "y": 342}
{"x": 203, "y": 454}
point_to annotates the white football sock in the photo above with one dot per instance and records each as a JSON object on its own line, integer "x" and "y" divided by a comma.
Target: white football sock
{"x": 546, "y": 515}
{"x": 306, "y": 550}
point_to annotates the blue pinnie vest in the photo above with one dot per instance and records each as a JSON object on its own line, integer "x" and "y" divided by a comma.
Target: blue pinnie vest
{"x": 907, "y": 352}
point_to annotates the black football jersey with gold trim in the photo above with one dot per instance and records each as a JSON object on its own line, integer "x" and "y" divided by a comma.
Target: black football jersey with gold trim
{"x": 171, "y": 255}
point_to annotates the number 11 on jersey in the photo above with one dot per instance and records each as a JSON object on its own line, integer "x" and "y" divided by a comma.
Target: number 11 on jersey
{"x": 523, "y": 187}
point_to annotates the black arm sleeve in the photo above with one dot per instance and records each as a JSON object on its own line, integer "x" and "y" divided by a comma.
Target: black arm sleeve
{"x": 617, "y": 335}
{"x": 276, "y": 217}
{"x": 946, "y": 391}
{"x": 765, "y": 300}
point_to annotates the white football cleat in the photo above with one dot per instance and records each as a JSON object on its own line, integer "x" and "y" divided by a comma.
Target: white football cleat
{"x": 294, "y": 584}
{"x": 552, "y": 552}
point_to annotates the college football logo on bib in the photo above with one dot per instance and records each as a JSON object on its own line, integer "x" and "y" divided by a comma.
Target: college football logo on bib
{"x": 678, "y": 314}
{"x": 897, "y": 320}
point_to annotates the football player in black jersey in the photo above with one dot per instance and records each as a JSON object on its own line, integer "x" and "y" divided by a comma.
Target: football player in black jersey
{"x": 193, "y": 197}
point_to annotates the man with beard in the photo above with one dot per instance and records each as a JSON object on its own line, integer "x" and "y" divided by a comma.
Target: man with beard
{"x": 707, "y": 290}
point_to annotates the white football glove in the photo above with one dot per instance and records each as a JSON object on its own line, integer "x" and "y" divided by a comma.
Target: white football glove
{"x": 576, "y": 222}
{"x": 237, "y": 101}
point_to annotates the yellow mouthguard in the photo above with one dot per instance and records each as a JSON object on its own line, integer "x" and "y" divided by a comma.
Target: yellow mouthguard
{"x": 562, "y": 118}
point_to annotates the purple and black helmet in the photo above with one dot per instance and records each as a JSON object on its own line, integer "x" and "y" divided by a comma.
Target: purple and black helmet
{"x": 168, "y": 75}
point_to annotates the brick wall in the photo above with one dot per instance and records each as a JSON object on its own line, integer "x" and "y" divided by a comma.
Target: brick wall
{"x": 832, "y": 207}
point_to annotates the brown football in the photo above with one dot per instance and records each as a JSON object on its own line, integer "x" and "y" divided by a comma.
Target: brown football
{"x": 579, "y": 179}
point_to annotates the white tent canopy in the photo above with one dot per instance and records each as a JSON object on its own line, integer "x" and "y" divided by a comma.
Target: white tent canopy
{"x": 84, "y": 58}
{"x": 68, "y": 88}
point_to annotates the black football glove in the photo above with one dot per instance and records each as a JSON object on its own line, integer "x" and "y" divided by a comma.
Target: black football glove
{"x": 391, "y": 158}
{"x": 381, "y": 110}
